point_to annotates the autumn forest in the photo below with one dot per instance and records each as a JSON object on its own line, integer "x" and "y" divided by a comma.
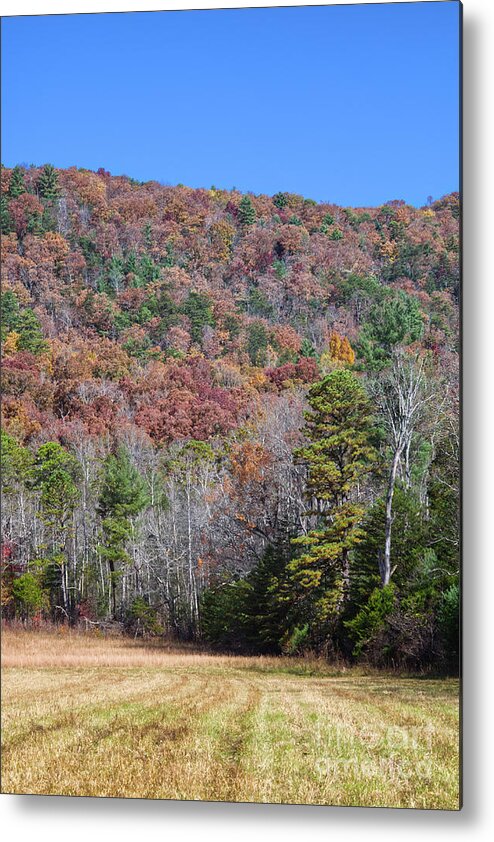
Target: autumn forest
{"x": 231, "y": 419}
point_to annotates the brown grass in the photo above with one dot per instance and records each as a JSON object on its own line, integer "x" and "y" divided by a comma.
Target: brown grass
{"x": 64, "y": 647}
{"x": 84, "y": 715}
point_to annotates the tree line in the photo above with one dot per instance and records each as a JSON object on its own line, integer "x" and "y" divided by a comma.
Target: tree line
{"x": 347, "y": 544}
{"x": 231, "y": 419}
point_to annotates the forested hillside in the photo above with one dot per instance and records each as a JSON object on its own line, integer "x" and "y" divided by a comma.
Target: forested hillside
{"x": 231, "y": 417}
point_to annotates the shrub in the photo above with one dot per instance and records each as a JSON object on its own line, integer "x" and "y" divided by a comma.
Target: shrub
{"x": 296, "y": 641}
{"x": 372, "y": 617}
{"x": 449, "y": 625}
{"x": 28, "y": 594}
{"x": 142, "y": 619}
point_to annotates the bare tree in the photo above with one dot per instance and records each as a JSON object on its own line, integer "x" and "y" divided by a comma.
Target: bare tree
{"x": 402, "y": 398}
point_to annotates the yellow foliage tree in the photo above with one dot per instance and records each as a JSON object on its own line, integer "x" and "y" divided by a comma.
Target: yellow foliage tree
{"x": 11, "y": 343}
{"x": 221, "y": 236}
{"x": 340, "y": 349}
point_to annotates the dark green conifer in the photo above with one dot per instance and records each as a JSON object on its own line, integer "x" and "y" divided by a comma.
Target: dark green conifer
{"x": 246, "y": 211}
{"x": 16, "y": 186}
{"x": 48, "y": 183}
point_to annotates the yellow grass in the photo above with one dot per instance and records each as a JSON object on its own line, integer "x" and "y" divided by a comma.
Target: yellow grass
{"x": 83, "y": 715}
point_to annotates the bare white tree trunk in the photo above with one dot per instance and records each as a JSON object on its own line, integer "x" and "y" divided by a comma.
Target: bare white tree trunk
{"x": 385, "y": 564}
{"x": 401, "y": 398}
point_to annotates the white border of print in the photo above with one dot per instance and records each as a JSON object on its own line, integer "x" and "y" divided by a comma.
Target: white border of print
{"x": 54, "y": 818}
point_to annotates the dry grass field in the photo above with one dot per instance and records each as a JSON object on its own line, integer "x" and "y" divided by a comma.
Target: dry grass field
{"x": 83, "y": 715}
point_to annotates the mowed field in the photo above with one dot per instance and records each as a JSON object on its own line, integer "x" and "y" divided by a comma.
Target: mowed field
{"x": 83, "y": 715}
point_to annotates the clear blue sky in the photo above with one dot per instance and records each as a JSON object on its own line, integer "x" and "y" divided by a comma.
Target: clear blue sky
{"x": 355, "y": 105}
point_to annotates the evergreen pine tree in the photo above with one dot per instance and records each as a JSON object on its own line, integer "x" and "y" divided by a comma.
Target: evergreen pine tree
{"x": 280, "y": 200}
{"x": 246, "y": 211}
{"x": 48, "y": 183}
{"x": 307, "y": 349}
{"x": 31, "y": 336}
{"x": 264, "y": 608}
{"x": 122, "y": 496}
{"x": 5, "y": 220}
{"x": 257, "y": 343}
{"x": 198, "y": 308}
{"x": 16, "y": 186}
{"x": 56, "y": 474}
{"x": 148, "y": 271}
{"x": 339, "y": 456}
{"x": 131, "y": 266}
{"x": 396, "y": 320}
{"x": 9, "y": 309}
{"x": 249, "y": 614}
{"x": 147, "y": 235}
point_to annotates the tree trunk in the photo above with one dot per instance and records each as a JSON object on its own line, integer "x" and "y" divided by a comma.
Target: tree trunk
{"x": 408, "y": 471}
{"x": 385, "y": 564}
{"x": 113, "y": 591}
{"x": 345, "y": 592}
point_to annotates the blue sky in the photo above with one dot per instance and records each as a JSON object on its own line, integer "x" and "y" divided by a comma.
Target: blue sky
{"x": 355, "y": 105}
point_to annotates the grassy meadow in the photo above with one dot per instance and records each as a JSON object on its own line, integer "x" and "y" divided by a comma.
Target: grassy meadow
{"x": 85, "y": 715}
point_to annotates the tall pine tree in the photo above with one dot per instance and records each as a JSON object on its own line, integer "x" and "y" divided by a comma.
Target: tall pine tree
{"x": 338, "y": 457}
{"x": 246, "y": 211}
{"x": 122, "y": 496}
{"x": 48, "y": 183}
{"x": 16, "y": 186}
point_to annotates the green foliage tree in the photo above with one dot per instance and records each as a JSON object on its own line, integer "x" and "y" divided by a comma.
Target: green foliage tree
{"x": 198, "y": 308}
{"x": 47, "y": 183}
{"x": 249, "y": 614}
{"x": 257, "y": 343}
{"x": 449, "y": 625}
{"x": 168, "y": 258}
{"x": 364, "y": 290}
{"x": 116, "y": 273}
{"x": 16, "y": 463}
{"x": 141, "y": 618}
{"x": 409, "y": 547}
{"x": 280, "y": 269}
{"x": 394, "y": 321}
{"x": 246, "y": 211}
{"x": 222, "y": 614}
{"x": 340, "y": 454}
{"x": 335, "y": 234}
{"x": 372, "y": 617}
{"x": 90, "y": 251}
{"x": 131, "y": 265}
{"x": 258, "y": 304}
{"x": 232, "y": 325}
{"x": 147, "y": 234}
{"x": 443, "y": 492}
{"x": 122, "y": 496}
{"x": 31, "y": 336}
{"x": 307, "y": 349}
{"x": 23, "y": 321}
{"x": 296, "y": 640}
{"x": 29, "y": 596}
{"x": 5, "y": 218}
{"x": 265, "y": 616}
{"x": 148, "y": 271}
{"x": 56, "y": 474}
{"x": 16, "y": 186}
{"x": 280, "y": 200}
{"x": 10, "y": 311}
{"x": 421, "y": 579}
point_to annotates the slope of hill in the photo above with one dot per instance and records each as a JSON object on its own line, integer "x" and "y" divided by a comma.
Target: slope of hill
{"x": 158, "y": 344}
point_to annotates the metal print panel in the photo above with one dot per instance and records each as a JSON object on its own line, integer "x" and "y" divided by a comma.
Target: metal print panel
{"x": 230, "y": 441}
